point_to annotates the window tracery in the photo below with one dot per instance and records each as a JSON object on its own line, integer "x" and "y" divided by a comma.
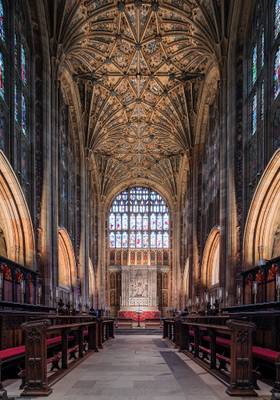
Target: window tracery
{"x": 263, "y": 59}
{"x": 139, "y": 218}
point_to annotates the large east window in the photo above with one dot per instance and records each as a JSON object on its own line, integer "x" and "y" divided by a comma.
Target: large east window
{"x": 139, "y": 218}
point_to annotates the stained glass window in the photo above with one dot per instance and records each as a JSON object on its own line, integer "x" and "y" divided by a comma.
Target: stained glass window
{"x": 145, "y": 240}
{"x": 118, "y": 239}
{"x": 139, "y": 240}
{"x": 145, "y": 222}
{"x": 276, "y": 74}
{"x": 2, "y": 76}
{"x": 132, "y": 221}
{"x": 23, "y": 114}
{"x": 125, "y": 239}
{"x": 262, "y": 49}
{"x": 165, "y": 240}
{"x": 112, "y": 239}
{"x": 166, "y": 222}
{"x": 132, "y": 239}
{"x": 23, "y": 65}
{"x": 16, "y": 104}
{"x": 139, "y": 222}
{"x": 277, "y": 18}
{"x": 153, "y": 240}
{"x": 118, "y": 222}
{"x": 254, "y": 114}
{"x": 254, "y": 65}
{"x": 153, "y": 221}
{"x": 2, "y": 21}
{"x": 16, "y": 49}
{"x": 262, "y": 102}
{"x": 139, "y": 218}
{"x": 112, "y": 221}
{"x": 159, "y": 222}
{"x": 159, "y": 239}
{"x": 124, "y": 221}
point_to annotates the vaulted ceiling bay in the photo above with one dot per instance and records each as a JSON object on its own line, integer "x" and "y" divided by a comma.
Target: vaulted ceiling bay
{"x": 139, "y": 69}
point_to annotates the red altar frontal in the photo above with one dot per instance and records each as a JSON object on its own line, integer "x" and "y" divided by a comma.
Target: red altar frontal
{"x": 143, "y": 315}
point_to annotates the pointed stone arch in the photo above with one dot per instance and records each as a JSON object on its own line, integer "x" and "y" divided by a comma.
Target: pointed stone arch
{"x": 15, "y": 220}
{"x": 263, "y": 220}
{"x": 211, "y": 259}
{"x": 67, "y": 271}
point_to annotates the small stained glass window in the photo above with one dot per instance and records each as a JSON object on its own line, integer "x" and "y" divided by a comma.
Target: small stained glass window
{"x": 124, "y": 221}
{"x": 23, "y": 114}
{"x": 165, "y": 240}
{"x": 132, "y": 221}
{"x": 277, "y": 74}
{"x": 112, "y": 240}
{"x": 139, "y": 222}
{"x": 262, "y": 49}
{"x": 138, "y": 240}
{"x": 159, "y": 222}
{"x": 153, "y": 240}
{"x": 159, "y": 240}
{"x": 118, "y": 240}
{"x": 153, "y": 221}
{"x": 254, "y": 65}
{"x": 145, "y": 222}
{"x": 2, "y": 21}
{"x": 254, "y": 114}
{"x": 118, "y": 222}
{"x": 23, "y": 65}
{"x": 166, "y": 222}
{"x": 125, "y": 239}
{"x": 112, "y": 221}
{"x": 2, "y": 76}
{"x": 277, "y": 18}
{"x": 132, "y": 240}
{"x": 145, "y": 240}
{"x": 16, "y": 104}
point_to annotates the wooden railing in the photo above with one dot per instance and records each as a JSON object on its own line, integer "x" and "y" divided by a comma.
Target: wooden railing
{"x": 37, "y": 379}
{"x": 190, "y": 337}
{"x": 18, "y": 284}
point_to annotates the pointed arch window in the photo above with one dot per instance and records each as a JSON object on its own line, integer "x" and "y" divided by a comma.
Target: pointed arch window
{"x": 2, "y": 21}
{"x": 142, "y": 221}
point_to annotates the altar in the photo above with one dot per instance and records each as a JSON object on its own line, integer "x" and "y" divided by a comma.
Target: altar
{"x": 139, "y": 292}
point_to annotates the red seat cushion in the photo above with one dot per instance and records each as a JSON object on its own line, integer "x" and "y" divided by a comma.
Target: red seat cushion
{"x": 11, "y": 352}
{"x": 265, "y": 353}
{"x": 219, "y": 340}
{"x": 54, "y": 340}
{"x": 223, "y": 341}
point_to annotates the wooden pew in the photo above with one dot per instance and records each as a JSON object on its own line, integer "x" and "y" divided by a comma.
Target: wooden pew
{"x": 124, "y": 323}
{"x": 36, "y": 359}
{"x": 152, "y": 323}
{"x": 192, "y": 338}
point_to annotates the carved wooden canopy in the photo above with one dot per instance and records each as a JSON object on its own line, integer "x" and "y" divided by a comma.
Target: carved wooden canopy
{"x": 140, "y": 66}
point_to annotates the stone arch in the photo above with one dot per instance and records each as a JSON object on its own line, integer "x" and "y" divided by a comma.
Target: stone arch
{"x": 211, "y": 259}
{"x": 67, "y": 271}
{"x": 15, "y": 220}
{"x": 263, "y": 220}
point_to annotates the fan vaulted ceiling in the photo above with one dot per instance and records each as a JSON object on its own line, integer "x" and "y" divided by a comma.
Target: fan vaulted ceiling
{"x": 139, "y": 66}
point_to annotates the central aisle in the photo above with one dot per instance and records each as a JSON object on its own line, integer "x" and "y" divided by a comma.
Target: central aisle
{"x": 135, "y": 368}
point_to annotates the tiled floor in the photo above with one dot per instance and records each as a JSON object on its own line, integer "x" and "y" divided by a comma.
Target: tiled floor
{"x": 138, "y": 368}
